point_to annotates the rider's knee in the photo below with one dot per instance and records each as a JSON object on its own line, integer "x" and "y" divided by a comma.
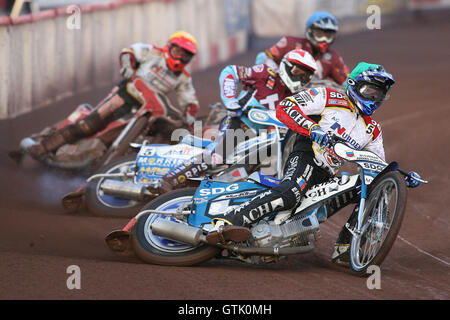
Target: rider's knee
{"x": 290, "y": 192}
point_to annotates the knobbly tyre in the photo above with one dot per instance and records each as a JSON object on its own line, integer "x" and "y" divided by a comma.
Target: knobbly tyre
{"x": 112, "y": 142}
{"x": 121, "y": 188}
{"x": 170, "y": 230}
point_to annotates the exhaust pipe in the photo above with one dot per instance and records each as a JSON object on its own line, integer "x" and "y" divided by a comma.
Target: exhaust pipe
{"x": 125, "y": 189}
{"x": 177, "y": 232}
{"x": 191, "y": 235}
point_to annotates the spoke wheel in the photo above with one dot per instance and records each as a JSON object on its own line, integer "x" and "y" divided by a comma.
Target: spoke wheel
{"x": 383, "y": 216}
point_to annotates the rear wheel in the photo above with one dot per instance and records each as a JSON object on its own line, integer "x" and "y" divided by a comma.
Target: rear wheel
{"x": 157, "y": 250}
{"x": 383, "y": 216}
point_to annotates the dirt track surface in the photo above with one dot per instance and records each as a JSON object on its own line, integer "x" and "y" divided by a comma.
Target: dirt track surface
{"x": 39, "y": 240}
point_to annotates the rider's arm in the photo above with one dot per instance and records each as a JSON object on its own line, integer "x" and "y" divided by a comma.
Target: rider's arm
{"x": 262, "y": 58}
{"x": 279, "y": 49}
{"x": 131, "y": 57}
{"x": 229, "y": 81}
{"x": 187, "y": 98}
{"x": 294, "y": 111}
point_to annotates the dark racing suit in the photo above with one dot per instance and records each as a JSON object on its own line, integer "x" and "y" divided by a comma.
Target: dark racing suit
{"x": 309, "y": 163}
{"x": 266, "y": 87}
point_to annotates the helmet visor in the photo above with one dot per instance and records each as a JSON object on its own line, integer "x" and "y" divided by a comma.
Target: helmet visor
{"x": 372, "y": 92}
{"x": 300, "y": 73}
{"x": 180, "y": 54}
{"x": 323, "y": 35}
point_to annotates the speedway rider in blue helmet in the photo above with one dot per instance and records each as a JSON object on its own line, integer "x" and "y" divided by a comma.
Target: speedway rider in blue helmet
{"x": 321, "y": 30}
{"x": 315, "y": 115}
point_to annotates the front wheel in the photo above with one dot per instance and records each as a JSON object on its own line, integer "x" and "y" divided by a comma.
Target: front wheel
{"x": 157, "y": 250}
{"x": 383, "y": 216}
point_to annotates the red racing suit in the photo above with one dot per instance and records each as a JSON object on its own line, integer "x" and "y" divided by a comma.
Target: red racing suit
{"x": 270, "y": 90}
{"x": 329, "y": 64}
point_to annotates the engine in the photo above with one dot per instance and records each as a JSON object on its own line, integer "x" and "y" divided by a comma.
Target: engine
{"x": 295, "y": 232}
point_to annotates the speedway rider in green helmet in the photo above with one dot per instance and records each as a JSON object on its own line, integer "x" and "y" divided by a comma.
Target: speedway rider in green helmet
{"x": 315, "y": 115}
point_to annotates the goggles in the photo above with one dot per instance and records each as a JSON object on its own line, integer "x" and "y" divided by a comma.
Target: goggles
{"x": 372, "y": 92}
{"x": 300, "y": 73}
{"x": 180, "y": 54}
{"x": 321, "y": 35}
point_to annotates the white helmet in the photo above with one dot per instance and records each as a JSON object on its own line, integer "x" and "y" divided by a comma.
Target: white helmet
{"x": 296, "y": 69}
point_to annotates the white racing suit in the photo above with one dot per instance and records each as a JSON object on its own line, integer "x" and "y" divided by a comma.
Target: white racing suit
{"x": 309, "y": 163}
{"x": 147, "y": 62}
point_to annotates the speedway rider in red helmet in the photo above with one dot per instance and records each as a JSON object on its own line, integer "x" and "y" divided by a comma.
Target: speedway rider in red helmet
{"x": 321, "y": 30}
{"x": 163, "y": 71}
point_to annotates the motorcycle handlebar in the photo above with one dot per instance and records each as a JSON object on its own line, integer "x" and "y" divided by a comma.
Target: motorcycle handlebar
{"x": 333, "y": 139}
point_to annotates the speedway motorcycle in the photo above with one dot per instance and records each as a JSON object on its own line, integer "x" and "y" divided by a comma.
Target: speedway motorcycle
{"x": 121, "y": 188}
{"x": 171, "y": 229}
{"x": 107, "y": 145}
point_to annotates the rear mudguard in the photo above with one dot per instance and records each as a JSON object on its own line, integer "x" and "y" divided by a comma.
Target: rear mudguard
{"x": 73, "y": 201}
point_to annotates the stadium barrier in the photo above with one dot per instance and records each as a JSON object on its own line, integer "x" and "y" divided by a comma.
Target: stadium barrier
{"x": 58, "y": 53}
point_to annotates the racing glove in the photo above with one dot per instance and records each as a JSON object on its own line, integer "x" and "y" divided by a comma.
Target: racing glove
{"x": 410, "y": 182}
{"x": 234, "y": 109}
{"x": 190, "y": 113}
{"x": 319, "y": 136}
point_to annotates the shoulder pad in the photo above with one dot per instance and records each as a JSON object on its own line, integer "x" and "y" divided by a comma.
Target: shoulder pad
{"x": 157, "y": 51}
{"x": 372, "y": 126}
{"x": 338, "y": 99}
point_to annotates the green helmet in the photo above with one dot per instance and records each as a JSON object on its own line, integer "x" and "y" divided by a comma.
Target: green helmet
{"x": 367, "y": 86}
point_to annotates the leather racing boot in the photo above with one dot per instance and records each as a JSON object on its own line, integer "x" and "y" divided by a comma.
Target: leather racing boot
{"x": 85, "y": 127}
{"x": 50, "y": 143}
{"x": 177, "y": 178}
{"x": 224, "y": 231}
{"x": 341, "y": 253}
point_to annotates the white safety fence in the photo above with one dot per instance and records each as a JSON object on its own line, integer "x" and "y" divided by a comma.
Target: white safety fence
{"x": 288, "y": 17}
{"x": 60, "y": 52}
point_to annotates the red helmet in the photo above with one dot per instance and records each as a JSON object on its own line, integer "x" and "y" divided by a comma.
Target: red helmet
{"x": 180, "y": 49}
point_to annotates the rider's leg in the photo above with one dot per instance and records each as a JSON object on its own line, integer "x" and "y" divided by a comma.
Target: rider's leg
{"x": 341, "y": 247}
{"x": 115, "y": 105}
{"x": 177, "y": 177}
{"x": 300, "y": 173}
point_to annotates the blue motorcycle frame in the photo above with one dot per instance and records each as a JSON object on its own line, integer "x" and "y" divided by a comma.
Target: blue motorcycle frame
{"x": 125, "y": 186}
{"x": 179, "y": 225}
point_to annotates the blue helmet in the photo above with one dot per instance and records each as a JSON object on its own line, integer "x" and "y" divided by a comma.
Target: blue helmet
{"x": 367, "y": 86}
{"x": 321, "y": 29}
